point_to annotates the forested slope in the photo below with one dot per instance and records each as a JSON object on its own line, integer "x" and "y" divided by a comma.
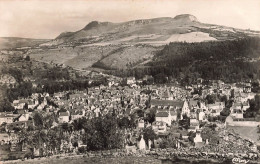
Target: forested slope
{"x": 231, "y": 60}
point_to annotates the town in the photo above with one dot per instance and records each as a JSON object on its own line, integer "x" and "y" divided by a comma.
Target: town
{"x": 208, "y": 117}
{"x": 129, "y": 82}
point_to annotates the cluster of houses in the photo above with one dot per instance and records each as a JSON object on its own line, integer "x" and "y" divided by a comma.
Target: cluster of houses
{"x": 171, "y": 103}
{"x": 6, "y": 79}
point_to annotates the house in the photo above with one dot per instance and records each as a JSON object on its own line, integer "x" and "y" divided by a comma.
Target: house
{"x": 218, "y": 84}
{"x": 19, "y": 124}
{"x": 236, "y": 110}
{"x": 203, "y": 106}
{"x": 32, "y": 104}
{"x": 40, "y": 107}
{"x": 64, "y": 117}
{"x": 23, "y": 117}
{"x": 216, "y": 108}
{"x": 171, "y": 104}
{"x": 163, "y": 116}
{"x": 77, "y": 114}
{"x": 166, "y": 96}
{"x": 198, "y": 140}
{"x": 247, "y": 89}
{"x": 7, "y": 118}
{"x": 142, "y": 144}
{"x": 185, "y": 109}
{"x": 8, "y": 137}
{"x": 193, "y": 105}
{"x": 194, "y": 125}
{"x": 7, "y": 79}
{"x": 130, "y": 80}
{"x": 174, "y": 114}
{"x": 4, "y": 138}
{"x": 202, "y": 116}
{"x": 111, "y": 83}
{"x": 245, "y": 106}
{"x": 18, "y": 104}
{"x": 159, "y": 127}
{"x": 140, "y": 123}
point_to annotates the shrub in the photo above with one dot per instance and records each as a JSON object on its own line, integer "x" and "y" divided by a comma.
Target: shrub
{"x": 81, "y": 149}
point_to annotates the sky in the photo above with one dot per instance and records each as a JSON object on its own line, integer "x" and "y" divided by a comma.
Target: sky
{"x": 46, "y": 19}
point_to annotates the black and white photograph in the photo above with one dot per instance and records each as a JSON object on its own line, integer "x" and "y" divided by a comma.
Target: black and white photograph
{"x": 129, "y": 81}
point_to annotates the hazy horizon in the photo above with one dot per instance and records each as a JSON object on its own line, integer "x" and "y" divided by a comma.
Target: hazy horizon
{"x": 47, "y": 19}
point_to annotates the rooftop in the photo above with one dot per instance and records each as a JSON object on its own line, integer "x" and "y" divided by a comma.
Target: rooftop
{"x": 167, "y": 103}
{"x": 162, "y": 114}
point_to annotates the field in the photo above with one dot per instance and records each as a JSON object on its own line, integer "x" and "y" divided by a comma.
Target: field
{"x": 246, "y": 132}
{"x": 191, "y": 37}
{"x": 128, "y": 57}
{"x": 78, "y": 57}
{"x": 83, "y": 57}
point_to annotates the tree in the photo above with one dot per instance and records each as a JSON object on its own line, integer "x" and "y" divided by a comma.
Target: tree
{"x": 150, "y": 117}
{"x": 54, "y": 137}
{"x": 5, "y": 106}
{"x": 257, "y": 102}
{"x": 225, "y": 112}
{"x": 185, "y": 122}
{"x": 133, "y": 121}
{"x": 252, "y": 110}
{"x": 124, "y": 123}
{"x": 229, "y": 103}
{"x": 38, "y": 120}
{"x": 223, "y": 98}
{"x": 48, "y": 121}
{"x": 75, "y": 144}
{"x": 103, "y": 133}
{"x": 255, "y": 87}
{"x": 211, "y": 99}
{"x": 169, "y": 142}
{"x": 192, "y": 135}
{"x": 140, "y": 113}
{"x": 232, "y": 93}
{"x": 160, "y": 78}
{"x": 149, "y": 134}
{"x": 79, "y": 123}
{"x": 210, "y": 134}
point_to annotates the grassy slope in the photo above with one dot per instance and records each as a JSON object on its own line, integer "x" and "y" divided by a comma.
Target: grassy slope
{"x": 78, "y": 57}
{"x": 128, "y": 57}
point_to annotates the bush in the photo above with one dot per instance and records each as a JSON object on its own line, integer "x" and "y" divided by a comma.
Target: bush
{"x": 81, "y": 149}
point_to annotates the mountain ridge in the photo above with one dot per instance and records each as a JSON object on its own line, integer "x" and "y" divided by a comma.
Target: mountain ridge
{"x": 162, "y": 28}
{"x": 97, "y": 28}
{"x": 132, "y": 43}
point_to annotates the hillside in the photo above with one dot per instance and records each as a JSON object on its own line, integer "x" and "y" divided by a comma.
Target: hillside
{"x": 13, "y": 42}
{"x": 155, "y": 31}
{"x": 129, "y": 44}
{"x": 230, "y": 61}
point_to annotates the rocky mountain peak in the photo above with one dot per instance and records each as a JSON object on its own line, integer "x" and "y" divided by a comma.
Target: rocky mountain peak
{"x": 95, "y": 24}
{"x": 186, "y": 18}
